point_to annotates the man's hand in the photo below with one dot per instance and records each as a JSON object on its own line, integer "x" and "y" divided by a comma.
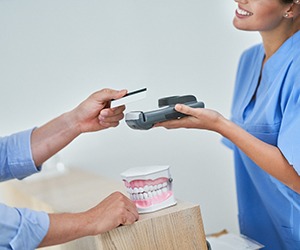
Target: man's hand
{"x": 95, "y": 113}
{"x": 92, "y": 114}
{"x": 115, "y": 210}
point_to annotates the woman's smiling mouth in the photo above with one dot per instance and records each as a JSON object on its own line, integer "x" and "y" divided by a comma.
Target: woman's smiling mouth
{"x": 242, "y": 12}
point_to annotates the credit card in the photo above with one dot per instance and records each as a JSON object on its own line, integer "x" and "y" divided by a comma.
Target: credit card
{"x": 132, "y": 96}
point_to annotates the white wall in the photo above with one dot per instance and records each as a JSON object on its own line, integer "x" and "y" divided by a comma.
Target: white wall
{"x": 53, "y": 54}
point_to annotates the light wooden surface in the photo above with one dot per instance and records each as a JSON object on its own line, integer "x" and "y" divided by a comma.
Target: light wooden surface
{"x": 177, "y": 227}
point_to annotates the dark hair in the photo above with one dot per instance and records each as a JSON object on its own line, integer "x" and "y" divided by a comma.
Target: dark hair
{"x": 287, "y": 1}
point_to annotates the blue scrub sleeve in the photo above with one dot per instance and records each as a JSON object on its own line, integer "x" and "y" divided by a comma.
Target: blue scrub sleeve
{"x": 22, "y": 228}
{"x": 227, "y": 143}
{"x": 289, "y": 134}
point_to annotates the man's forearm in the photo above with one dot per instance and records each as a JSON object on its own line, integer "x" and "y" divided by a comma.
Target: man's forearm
{"x": 52, "y": 137}
{"x": 66, "y": 227}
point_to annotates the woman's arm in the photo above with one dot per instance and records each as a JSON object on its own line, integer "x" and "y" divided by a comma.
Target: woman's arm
{"x": 271, "y": 160}
{"x": 266, "y": 156}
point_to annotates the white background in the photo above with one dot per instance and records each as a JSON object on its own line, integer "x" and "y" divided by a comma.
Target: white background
{"x": 53, "y": 54}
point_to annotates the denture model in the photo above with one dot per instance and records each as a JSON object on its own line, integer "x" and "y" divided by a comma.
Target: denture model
{"x": 150, "y": 188}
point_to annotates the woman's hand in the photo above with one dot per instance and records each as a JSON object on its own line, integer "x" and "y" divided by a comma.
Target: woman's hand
{"x": 200, "y": 118}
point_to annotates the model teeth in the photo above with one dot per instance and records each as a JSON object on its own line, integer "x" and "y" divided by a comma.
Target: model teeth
{"x": 243, "y": 12}
{"x": 148, "y": 191}
{"x": 149, "y": 188}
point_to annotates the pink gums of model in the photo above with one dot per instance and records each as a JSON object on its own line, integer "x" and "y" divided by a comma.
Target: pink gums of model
{"x": 150, "y": 188}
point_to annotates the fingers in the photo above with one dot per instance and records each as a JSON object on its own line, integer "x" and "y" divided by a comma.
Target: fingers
{"x": 129, "y": 218}
{"x": 184, "y": 122}
{"x": 127, "y": 212}
{"x": 130, "y": 214}
{"x": 113, "y": 211}
{"x": 128, "y": 205}
{"x": 94, "y": 114}
{"x": 111, "y": 117}
{"x": 133, "y": 214}
{"x": 185, "y": 109}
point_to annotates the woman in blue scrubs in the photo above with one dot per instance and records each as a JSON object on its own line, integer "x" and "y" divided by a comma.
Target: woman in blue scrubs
{"x": 264, "y": 129}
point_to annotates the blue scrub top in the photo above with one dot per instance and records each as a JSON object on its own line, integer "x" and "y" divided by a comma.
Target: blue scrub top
{"x": 269, "y": 211}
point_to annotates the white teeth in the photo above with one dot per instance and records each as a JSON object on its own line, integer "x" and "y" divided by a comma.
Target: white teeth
{"x": 243, "y": 12}
{"x": 148, "y": 191}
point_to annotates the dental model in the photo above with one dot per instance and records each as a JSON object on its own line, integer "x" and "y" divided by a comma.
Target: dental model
{"x": 150, "y": 188}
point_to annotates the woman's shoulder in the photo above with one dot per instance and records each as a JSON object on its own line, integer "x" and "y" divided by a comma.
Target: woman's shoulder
{"x": 253, "y": 51}
{"x": 251, "y": 56}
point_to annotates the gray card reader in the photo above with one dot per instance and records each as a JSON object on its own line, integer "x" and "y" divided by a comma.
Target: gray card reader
{"x": 146, "y": 120}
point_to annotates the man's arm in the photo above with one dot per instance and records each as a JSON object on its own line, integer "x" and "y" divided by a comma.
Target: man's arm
{"x": 22, "y": 153}
{"x": 113, "y": 211}
{"x": 91, "y": 115}
{"x": 22, "y": 228}
{"x": 15, "y": 156}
